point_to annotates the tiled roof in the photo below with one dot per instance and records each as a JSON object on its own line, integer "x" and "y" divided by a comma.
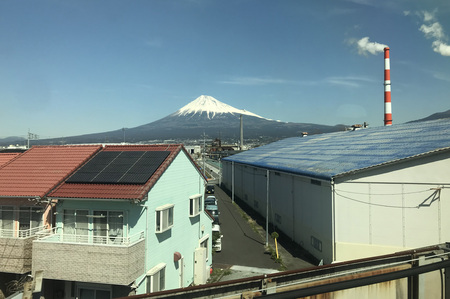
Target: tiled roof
{"x": 119, "y": 191}
{"x": 329, "y": 155}
{"x": 40, "y": 169}
{"x": 6, "y": 157}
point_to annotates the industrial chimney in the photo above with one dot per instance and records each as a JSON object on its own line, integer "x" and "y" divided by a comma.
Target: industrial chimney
{"x": 387, "y": 89}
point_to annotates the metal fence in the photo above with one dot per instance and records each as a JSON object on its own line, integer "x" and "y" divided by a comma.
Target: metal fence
{"x": 23, "y": 233}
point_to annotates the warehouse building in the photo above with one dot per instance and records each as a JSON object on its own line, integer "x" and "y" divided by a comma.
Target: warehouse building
{"x": 352, "y": 194}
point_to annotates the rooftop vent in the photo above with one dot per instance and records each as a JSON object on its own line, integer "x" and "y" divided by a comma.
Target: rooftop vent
{"x": 359, "y": 126}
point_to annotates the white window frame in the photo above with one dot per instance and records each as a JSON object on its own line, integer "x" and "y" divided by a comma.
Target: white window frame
{"x": 7, "y": 223}
{"x": 195, "y": 205}
{"x": 155, "y": 277}
{"x": 165, "y": 216}
{"x": 84, "y": 230}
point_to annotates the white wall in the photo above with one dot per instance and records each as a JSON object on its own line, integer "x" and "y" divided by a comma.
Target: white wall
{"x": 393, "y": 208}
{"x": 375, "y": 210}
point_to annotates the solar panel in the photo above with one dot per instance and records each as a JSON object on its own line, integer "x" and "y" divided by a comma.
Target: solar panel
{"x": 123, "y": 167}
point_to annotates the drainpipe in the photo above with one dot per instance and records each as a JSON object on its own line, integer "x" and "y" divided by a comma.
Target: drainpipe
{"x": 333, "y": 219}
{"x": 145, "y": 247}
{"x": 232, "y": 181}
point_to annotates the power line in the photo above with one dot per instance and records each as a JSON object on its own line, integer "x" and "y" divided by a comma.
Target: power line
{"x": 387, "y": 206}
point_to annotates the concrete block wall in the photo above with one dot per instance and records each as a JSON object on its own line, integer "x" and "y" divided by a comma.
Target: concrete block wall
{"x": 15, "y": 255}
{"x": 119, "y": 265}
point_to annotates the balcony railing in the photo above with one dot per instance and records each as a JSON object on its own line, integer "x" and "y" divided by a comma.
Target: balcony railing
{"x": 23, "y": 233}
{"x": 90, "y": 259}
{"x": 59, "y": 236}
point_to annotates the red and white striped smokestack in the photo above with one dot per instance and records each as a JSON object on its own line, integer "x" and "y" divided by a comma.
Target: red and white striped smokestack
{"x": 387, "y": 89}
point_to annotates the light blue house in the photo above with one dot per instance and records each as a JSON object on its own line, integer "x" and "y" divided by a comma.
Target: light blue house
{"x": 129, "y": 221}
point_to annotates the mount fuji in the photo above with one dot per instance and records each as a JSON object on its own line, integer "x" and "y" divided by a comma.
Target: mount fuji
{"x": 203, "y": 116}
{"x": 210, "y": 107}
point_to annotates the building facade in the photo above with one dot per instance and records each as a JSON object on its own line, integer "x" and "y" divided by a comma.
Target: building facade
{"x": 129, "y": 220}
{"x": 349, "y": 195}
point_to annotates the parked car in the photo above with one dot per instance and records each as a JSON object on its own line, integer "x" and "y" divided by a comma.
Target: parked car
{"x": 214, "y": 211}
{"x": 210, "y": 189}
{"x": 217, "y": 238}
{"x": 210, "y": 200}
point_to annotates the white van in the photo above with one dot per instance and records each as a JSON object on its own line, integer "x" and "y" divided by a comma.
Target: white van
{"x": 217, "y": 238}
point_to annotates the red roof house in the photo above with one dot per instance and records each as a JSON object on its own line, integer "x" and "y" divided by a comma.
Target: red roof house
{"x": 37, "y": 171}
{"x": 6, "y": 157}
{"x": 25, "y": 181}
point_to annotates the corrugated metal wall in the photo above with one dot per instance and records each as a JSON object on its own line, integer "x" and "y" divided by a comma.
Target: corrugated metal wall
{"x": 299, "y": 207}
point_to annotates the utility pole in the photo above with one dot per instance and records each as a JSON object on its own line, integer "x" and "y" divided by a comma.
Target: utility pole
{"x": 204, "y": 152}
{"x": 242, "y": 135}
{"x": 31, "y": 136}
{"x": 267, "y": 208}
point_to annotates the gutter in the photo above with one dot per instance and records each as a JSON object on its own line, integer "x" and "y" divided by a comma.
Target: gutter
{"x": 132, "y": 200}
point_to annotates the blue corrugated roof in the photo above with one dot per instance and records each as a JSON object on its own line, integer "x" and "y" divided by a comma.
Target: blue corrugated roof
{"x": 328, "y": 155}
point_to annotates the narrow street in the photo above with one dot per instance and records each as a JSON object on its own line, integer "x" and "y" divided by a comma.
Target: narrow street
{"x": 241, "y": 245}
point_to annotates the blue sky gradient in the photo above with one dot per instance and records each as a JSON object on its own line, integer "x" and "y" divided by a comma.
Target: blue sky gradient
{"x": 77, "y": 67}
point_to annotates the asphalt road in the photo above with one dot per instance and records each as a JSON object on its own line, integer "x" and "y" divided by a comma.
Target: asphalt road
{"x": 240, "y": 244}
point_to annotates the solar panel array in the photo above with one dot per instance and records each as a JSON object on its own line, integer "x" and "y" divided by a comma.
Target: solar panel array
{"x": 122, "y": 167}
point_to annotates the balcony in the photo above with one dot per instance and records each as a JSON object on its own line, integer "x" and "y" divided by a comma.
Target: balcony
{"x": 95, "y": 259}
{"x": 16, "y": 249}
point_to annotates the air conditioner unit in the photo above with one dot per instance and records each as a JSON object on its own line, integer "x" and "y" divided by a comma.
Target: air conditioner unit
{"x": 200, "y": 273}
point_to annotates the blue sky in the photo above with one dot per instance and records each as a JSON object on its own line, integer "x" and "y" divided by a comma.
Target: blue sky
{"x": 76, "y": 67}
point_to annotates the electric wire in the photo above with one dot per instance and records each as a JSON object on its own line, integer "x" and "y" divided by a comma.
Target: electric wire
{"x": 386, "y": 194}
{"x": 378, "y": 205}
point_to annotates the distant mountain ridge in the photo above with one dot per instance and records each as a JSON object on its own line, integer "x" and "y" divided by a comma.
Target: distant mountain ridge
{"x": 439, "y": 115}
{"x": 204, "y": 116}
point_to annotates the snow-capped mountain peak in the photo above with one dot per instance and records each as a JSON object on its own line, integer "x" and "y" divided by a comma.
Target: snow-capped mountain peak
{"x": 211, "y": 107}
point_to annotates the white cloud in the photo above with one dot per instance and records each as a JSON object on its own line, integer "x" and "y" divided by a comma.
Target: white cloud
{"x": 428, "y": 16}
{"x": 441, "y": 48}
{"x": 345, "y": 81}
{"x": 433, "y": 30}
{"x": 441, "y": 76}
{"x": 364, "y": 46}
{"x": 348, "y": 81}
